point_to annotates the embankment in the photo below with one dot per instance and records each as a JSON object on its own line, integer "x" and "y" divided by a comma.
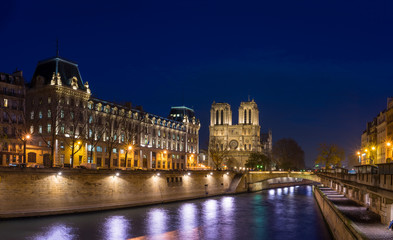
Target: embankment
{"x": 339, "y": 225}
{"x": 38, "y": 192}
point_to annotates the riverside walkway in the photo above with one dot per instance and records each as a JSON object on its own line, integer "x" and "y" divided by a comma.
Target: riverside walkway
{"x": 365, "y": 222}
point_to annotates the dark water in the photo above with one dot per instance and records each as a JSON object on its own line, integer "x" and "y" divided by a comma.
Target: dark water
{"x": 287, "y": 213}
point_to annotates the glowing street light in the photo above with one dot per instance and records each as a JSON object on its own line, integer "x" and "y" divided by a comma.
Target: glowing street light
{"x": 129, "y": 147}
{"x": 26, "y": 137}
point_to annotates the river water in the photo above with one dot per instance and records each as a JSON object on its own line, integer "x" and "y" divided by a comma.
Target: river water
{"x": 283, "y": 213}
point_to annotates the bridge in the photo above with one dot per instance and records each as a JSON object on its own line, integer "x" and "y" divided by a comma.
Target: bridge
{"x": 258, "y": 180}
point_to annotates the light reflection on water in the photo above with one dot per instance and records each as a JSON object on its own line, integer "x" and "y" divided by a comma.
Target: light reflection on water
{"x": 116, "y": 227}
{"x": 56, "y": 232}
{"x": 288, "y": 213}
{"x": 156, "y": 221}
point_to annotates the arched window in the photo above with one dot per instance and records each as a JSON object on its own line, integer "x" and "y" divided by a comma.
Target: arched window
{"x": 217, "y": 117}
{"x": 245, "y": 116}
{"x": 249, "y": 116}
{"x": 222, "y": 117}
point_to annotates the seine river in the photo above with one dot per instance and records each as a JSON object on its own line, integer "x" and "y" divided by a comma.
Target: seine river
{"x": 283, "y": 213}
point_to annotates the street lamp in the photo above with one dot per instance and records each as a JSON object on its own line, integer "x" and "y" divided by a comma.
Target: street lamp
{"x": 358, "y": 153}
{"x": 26, "y": 137}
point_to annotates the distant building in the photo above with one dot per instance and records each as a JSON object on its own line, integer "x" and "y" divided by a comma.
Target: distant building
{"x": 12, "y": 123}
{"x": 377, "y": 138}
{"x": 241, "y": 139}
{"x": 77, "y": 129}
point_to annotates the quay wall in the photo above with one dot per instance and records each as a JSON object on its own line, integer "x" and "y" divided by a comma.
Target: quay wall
{"x": 36, "y": 192}
{"x": 339, "y": 225}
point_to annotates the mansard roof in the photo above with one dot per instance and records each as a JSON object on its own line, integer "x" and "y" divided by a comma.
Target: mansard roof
{"x": 66, "y": 69}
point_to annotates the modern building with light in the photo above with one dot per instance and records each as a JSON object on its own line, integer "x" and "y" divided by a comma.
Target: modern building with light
{"x": 78, "y": 129}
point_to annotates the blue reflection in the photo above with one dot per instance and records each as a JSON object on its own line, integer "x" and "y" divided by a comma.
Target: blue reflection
{"x": 188, "y": 214}
{"x": 156, "y": 221}
{"x": 210, "y": 209}
{"x": 210, "y": 219}
{"x": 116, "y": 227}
{"x": 57, "y": 232}
{"x": 227, "y": 206}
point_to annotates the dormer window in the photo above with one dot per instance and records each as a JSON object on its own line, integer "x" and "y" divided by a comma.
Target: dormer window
{"x": 74, "y": 83}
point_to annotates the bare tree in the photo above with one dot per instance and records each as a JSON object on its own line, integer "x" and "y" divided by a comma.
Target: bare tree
{"x": 112, "y": 133}
{"x": 95, "y": 130}
{"x": 218, "y": 152}
{"x": 48, "y": 121}
{"x": 16, "y": 121}
{"x": 330, "y": 155}
{"x": 75, "y": 122}
{"x": 130, "y": 132}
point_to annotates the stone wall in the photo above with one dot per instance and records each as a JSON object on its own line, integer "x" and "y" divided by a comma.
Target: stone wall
{"x": 34, "y": 192}
{"x": 339, "y": 225}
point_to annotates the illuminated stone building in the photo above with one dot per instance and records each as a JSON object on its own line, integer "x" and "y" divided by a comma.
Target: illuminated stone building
{"x": 241, "y": 139}
{"x": 12, "y": 124}
{"x": 78, "y": 129}
{"x": 377, "y": 138}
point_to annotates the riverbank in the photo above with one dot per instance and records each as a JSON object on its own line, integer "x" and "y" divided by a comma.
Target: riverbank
{"x": 347, "y": 219}
{"x": 39, "y": 192}
{"x": 29, "y": 192}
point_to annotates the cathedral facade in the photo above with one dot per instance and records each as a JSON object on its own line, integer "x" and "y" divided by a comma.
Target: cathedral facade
{"x": 238, "y": 140}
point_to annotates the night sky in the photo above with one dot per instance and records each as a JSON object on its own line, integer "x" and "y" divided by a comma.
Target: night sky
{"x": 318, "y": 70}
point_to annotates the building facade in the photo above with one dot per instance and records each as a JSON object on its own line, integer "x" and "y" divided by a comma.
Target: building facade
{"x": 377, "y": 138}
{"x": 75, "y": 129}
{"x": 238, "y": 139}
{"x": 12, "y": 110}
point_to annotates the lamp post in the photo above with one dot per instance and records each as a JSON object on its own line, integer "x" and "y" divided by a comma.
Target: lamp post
{"x": 25, "y": 138}
{"x": 372, "y": 157}
{"x": 358, "y": 153}
{"x": 129, "y": 148}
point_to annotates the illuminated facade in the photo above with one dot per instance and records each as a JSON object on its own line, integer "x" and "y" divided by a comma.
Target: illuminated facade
{"x": 78, "y": 129}
{"x": 377, "y": 138}
{"x": 241, "y": 139}
{"x": 12, "y": 124}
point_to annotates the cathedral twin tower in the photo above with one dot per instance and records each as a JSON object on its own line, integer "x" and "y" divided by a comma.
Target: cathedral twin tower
{"x": 241, "y": 139}
{"x": 221, "y": 114}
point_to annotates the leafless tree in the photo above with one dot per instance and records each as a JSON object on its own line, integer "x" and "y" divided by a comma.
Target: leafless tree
{"x": 95, "y": 130}
{"x": 75, "y": 124}
{"x": 112, "y": 133}
{"x": 47, "y": 120}
{"x": 218, "y": 152}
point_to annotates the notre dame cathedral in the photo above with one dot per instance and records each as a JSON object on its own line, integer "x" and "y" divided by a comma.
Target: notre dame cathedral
{"x": 238, "y": 139}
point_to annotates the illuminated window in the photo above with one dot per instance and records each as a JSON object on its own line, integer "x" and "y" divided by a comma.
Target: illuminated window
{"x": 49, "y": 100}
{"x": 40, "y": 129}
{"x": 31, "y": 129}
{"x": 49, "y": 113}
{"x": 40, "y": 114}
{"x": 49, "y": 128}
{"x": 5, "y": 102}
{"x": 32, "y": 115}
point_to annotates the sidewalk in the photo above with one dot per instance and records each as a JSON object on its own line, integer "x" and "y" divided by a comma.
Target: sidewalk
{"x": 366, "y": 222}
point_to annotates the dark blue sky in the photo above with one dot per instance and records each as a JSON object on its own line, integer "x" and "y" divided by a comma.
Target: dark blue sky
{"x": 318, "y": 70}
